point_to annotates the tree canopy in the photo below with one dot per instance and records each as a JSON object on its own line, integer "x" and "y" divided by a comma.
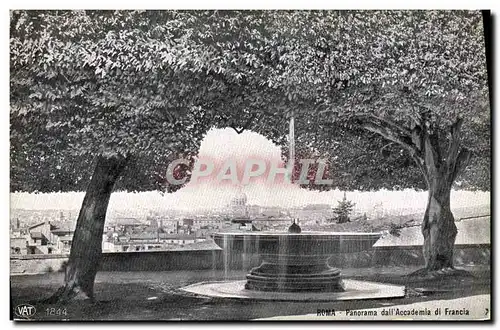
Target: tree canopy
{"x": 149, "y": 84}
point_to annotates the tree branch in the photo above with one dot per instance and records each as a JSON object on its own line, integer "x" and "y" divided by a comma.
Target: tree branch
{"x": 391, "y": 136}
{"x": 416, "y": 137}
{"x": 454, "y": 145}
{"x": 429, "y": 155}
{"x": 411, "y": 142}
{"x": 389, "y": 123}
{"x": 463, "y": 159}
{"x": 419, "y": 162}
{"x": 434, "y": 140}
{"x": 385, "y": 146}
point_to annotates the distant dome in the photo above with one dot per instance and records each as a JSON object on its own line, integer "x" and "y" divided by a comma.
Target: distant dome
{"x": 240, "y": 199}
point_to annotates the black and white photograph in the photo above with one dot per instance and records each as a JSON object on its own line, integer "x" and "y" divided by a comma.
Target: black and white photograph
{"x": 250, "y": 165}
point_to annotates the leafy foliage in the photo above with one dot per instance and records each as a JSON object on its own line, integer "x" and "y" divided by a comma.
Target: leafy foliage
{"x": 149, "y": 84}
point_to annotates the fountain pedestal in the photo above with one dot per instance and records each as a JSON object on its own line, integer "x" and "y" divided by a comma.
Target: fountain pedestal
{"x": 295, "y": 274}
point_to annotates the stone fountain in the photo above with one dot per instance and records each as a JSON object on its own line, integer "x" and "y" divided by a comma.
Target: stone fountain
{"x": 295, "y": 262}
{"x": 295, "y": 268}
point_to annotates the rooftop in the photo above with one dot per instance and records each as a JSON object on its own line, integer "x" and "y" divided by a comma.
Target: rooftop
{"x": 152, "y": 236}
{"x": 126, "y": 222}
{"x": 37, "y": 235}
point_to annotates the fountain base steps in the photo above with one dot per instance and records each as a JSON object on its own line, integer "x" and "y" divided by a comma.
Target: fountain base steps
{"x": 353, "y": 290}
{"x": 311, "y": 278}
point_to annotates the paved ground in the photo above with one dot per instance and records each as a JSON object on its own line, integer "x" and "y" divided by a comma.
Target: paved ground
{"x": 155, "y": 295}
{"x": 476, "y": 307}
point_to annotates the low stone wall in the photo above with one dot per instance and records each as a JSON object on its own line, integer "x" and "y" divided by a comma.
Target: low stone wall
{"x": 123, "y": 261}
{"x": 160, "y": 260}
{"x": 384, "y": 256}
{"x": 215, "y": 259}
{"x": 35, "y": 264}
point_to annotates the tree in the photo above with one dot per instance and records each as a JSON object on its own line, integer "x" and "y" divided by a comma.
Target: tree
{"x": 101, "y": 89}
{"x": 444, "y": 100}
{"x": 416, "y": 78}
{"x": 343, "y": 210}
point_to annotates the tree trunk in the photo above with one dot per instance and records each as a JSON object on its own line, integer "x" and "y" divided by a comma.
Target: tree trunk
{"x": 86, "y": 247}
{"x": 438, "y": 227}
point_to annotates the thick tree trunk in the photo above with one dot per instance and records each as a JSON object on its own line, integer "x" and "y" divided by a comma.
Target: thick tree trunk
{"x": 438, "y": 226}
{"x": 86, "y": 247}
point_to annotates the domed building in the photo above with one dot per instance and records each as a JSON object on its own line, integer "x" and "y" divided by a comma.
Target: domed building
{"x": 238, "y": 206}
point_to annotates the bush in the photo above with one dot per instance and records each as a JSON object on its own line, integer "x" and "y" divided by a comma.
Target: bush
{"x": 395, "y": 230}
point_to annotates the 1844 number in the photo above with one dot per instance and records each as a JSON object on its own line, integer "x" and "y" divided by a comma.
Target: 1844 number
{"x": 56, "y": 311}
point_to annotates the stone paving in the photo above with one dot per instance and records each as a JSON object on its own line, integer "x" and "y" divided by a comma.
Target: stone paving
{"x": 476, "y": 307}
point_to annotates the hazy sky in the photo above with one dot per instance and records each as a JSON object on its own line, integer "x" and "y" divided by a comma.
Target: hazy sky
{"x": 219, "y": 145}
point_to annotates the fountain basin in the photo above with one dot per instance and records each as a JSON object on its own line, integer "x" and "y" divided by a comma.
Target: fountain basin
{"x": 295, "y": 262}
{"x": 354, "y": 290}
